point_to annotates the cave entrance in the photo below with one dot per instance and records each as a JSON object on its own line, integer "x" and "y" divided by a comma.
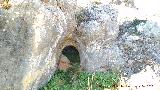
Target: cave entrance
{"x": 69, "y": 58}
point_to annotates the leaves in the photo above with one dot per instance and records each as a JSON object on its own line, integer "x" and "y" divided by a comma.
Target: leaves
{"x": 79, "y": 81}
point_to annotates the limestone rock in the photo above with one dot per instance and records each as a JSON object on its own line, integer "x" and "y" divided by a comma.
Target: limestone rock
{"x": 28, "y": 40}
{"x": 140, "y": 44}
{"x": 64, "y": 63}
{"x": 69, "y": 7}
{"x": 147, "y": 79}
{"x": 33, "y": 34}
{"x": 98, "y": 50}
{"x": 126, "y": 3}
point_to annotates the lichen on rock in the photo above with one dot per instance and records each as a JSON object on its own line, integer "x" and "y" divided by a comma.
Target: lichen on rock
{"x": 97, "y": 38}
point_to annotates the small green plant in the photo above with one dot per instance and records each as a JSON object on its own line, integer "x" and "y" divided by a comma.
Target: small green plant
{"x": 101, "y": 80}
{"x": 72, "y": 80}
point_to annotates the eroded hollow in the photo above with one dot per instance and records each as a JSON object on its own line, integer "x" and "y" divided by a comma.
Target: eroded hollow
{"x": 69, "y": 58}
{"x": 71, "y": 53}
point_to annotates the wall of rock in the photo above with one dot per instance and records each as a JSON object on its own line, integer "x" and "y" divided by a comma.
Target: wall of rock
{"x": 29, "y": 39}
{"x": 33, "y": 34}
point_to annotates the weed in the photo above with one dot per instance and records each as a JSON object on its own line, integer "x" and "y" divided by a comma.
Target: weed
{"x": 76, "y": 79}
{"x": 70, "y": 80}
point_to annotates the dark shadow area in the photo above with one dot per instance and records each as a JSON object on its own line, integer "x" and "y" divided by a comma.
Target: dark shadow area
{"x": 72, "y": 54}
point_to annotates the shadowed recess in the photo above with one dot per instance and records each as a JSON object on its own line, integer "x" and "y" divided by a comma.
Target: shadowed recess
{"x": 71, "y": 53}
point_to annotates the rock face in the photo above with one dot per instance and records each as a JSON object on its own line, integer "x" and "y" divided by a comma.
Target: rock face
{"x": 33, "y": 34}
{"x": 139, "y": 41}
{"x": 29, "y": 37}
{"x": 64, "y": 63}
{"x": 98, "y": 50}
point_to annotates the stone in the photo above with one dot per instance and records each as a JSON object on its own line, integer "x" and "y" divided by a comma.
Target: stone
{"x": 139, "y": 47}
{"x": 97, "y": 41}
{"x": 64, "y": 63}
{"x": 139, "y": 42}
{"x": 34, "y": 33}
{"x": 28, "y": 40}
{"x": 45, "y": 1}
{"x": 145, "y": 80}
{"x": 69, "y": 7}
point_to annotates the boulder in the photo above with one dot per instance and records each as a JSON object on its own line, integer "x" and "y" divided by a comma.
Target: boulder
{"x": 139, "y": 42}
{"x": 29, "y": 37}
{"x": 34, "y": 33}
{"x": 96, "y": 36}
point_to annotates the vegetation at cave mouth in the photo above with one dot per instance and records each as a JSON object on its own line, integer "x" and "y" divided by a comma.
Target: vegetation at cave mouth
{"x": 76, "y": 79}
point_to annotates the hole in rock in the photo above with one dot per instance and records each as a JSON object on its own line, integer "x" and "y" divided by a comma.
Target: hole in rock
{"x": 69, "y": 58}
{"x": 72, "y": 54}
{"x": 72, "y": 77}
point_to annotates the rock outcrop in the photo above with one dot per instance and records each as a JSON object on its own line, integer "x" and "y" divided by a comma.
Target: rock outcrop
{"x": 139, "y": 42}
{"x": 96, "y": 37}
{"x": 34, "y": 33}
{"x": 29, "y": 38}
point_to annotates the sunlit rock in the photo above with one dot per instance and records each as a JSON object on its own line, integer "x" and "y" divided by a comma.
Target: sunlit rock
{"x": 28, "y": 39}
{"x": 139, "y": 41}
{"x": 107, "y": 37}
{"x": 96, "y": 36}
{"x": 147, "y": 79}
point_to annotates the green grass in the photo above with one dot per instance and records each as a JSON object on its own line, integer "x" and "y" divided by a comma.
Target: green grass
{"x": 73, "y": 79}
{"x": 76, "y": 79}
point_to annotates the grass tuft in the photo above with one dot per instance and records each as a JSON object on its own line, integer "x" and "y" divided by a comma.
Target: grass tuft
{"x": 72, "y": 79}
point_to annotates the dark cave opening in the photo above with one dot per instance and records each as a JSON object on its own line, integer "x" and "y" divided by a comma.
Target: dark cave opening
{"x": 72, "y": 54}
{"x": 69, "y": 58}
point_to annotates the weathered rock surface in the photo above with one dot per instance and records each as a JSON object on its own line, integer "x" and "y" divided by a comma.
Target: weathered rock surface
{"x": 64, "y": 63}
{"x": 139, "y": 42}
{"x": 33, "y": 34}
{"x": 98, "y": 50}
{"x": 28, "y": 39}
